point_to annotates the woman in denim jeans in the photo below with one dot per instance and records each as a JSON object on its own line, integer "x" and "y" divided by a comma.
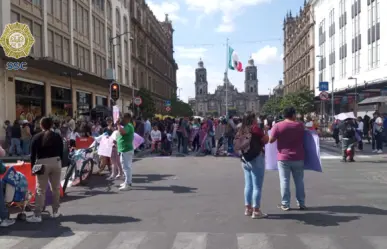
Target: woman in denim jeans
{"x": 253, "y": 164}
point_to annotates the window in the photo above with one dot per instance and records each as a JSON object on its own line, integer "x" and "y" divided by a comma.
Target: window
{"x": 58, "y": 9}
{"x": 109, "y": 11}
{"x": 75, "y": 17}
{"x": 85, "y": 30}
{"x": 36, "y": 3}
{"x": 118, "y": 21}
{"x": 66, "y": 50}
{"x": 343, "y": 40}
{"x": 126, "y": 48}
{"x": 356, "y": 38}
{"x": 15, "y": 17}
{"x": 58, "y": 47}
{"x": 81, "y": 57}
{"x": 50, "y": 38}
{"x": 127, "y": 77}
{"x": 87, "y": 60}
{"x": 65, "y": 12}
{"x": 79, "y": 18}
{"x": 50, "y": 7}
{"x": 37, "y": 32}
{"x": 119, "y": 74}
{"x": 134, "y": 80}
{"x": 27, "y": 21}
{"x": 103, "y": 67}
{"x": 373, "y": 34}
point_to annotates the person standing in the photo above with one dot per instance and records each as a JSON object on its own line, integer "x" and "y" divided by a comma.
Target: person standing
{"x": 377, "y": 131}
{"x": 125, "y": 147}
{"x": 290, "y": 157}
{"x": 360, "y": 129}
{"x": 25, "y": 137}
{"x": 47, "y": 150}
{"x": 348, "y": 131}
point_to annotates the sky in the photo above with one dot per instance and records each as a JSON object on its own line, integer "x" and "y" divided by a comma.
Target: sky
{"x": 202, "y": 27}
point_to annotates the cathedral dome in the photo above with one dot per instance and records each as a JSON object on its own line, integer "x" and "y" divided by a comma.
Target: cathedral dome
{"x": 200, "y": 63}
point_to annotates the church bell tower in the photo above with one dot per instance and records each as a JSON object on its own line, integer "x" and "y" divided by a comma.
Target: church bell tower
{"x": 251, "y": 80}
{"x": 201, "y": 84}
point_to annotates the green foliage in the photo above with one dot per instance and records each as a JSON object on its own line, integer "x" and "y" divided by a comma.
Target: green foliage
{"x": 179, "y": 108}
{"x": 302, "y": 100}
{"x": 148, "y": 107}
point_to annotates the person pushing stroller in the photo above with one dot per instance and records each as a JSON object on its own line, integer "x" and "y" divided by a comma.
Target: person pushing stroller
{"x": 348, "y": 133}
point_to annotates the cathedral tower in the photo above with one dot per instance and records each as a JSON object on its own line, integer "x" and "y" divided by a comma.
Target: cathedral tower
{"x": 201, "y": 84}
{"x": 251, "y": 80}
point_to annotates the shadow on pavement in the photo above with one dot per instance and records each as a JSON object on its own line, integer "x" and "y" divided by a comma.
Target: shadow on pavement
{"x": 148, "y": 178}
{"x": 350, "y": 210}
{"x": 173, "y": 188}
{"x": 314, "y": 219}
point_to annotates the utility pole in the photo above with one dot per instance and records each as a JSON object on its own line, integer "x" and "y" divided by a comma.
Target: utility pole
{"x": 226, "y": 77}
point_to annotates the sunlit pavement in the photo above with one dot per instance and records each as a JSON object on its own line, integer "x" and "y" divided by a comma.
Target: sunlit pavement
{"x": 197, "y": 202}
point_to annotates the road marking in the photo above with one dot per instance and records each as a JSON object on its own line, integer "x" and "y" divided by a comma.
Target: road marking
{"x": 127, "y": 240}
{"x": 254, "y": 241}
{"x": 190, "y": 241}
{"x": 318, "y": 242}
{"x": 8, "y": 243}
{"x": 67, "y": 240}
{"x": 378, "y": 242}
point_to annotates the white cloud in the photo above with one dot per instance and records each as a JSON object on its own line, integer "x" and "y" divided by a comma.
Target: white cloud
{"x": 170, "y": 8}
{"x": 230, "y": 9}
{"x": 190, "y": 53}
{"x": 266, "y": 55}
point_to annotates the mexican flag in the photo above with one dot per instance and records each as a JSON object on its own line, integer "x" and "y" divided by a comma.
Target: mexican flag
{"x": 233, "y": 60}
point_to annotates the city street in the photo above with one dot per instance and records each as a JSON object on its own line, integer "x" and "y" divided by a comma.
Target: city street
{"x": 197, "y": 203}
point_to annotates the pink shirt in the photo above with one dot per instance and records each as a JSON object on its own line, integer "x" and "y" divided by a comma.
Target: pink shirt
{"x": 290, "y": 140}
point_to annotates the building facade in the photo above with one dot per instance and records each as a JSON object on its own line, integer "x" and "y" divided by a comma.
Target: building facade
{"x": 76, "y": 41}
{"x": 299, "y": 50}
{"x": 351, "y": 36}
{"x": 214, "y": 104}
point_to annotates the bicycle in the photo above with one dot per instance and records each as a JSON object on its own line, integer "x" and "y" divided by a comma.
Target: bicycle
{"x": 81, "y": 166}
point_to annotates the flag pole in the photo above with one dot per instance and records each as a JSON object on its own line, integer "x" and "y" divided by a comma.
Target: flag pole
{"x": 226, "y": 76}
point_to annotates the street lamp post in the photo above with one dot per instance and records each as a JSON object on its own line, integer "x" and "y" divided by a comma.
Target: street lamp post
{"x": 333, "y": 99}
{"x": 352, "y": 78}
{"x": 179, "y": 91}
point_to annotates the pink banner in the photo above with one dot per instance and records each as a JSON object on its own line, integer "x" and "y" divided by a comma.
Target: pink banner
{"x": 105, "y": 146}
{"x": 137, "y": 141}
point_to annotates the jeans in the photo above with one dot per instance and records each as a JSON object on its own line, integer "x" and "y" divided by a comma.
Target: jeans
{"x": 179, "y": 140}
{"x": 296, "y": 168}
{"x": 185, "y": 144}
{"x": 3, "y": 209}
{"x": 15, "y": 145}
{"x": 126, "y": 162}
{"x": 26, "y": 146}
{"x": 230, "y": 144}
{"x": 379, "y": 141}
{"x": 345, "y": 143}
{"x": 254, "y": 174}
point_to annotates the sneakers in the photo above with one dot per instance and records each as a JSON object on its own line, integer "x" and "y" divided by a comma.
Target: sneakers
{"x": 124, "y": 186}
{"x": 379, "y": 151}
{"x": 302, "y": 207}
{"x": 56, "y": 214}
{"x": 283, "y": 207}
{"x": 258, "y": 215}
{"x": 248, "y": 212}
{"x": 7, "y": 223}
{"x": 110, "y": 178}
{"x": 34, "y": 219}
{"x": 374, "y": 151}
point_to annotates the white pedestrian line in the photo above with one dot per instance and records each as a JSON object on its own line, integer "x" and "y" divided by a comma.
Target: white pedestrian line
{"x": 67, "y": 240}
{"x": 190, "y": 241}
{"x": 184, "y": 240}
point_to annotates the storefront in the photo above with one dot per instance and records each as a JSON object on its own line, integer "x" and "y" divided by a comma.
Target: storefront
{"x": 30, "y": 99}
{"x": 101, "y": 101}
{"x": 61, "y": 105}
{"x": 84, "y": 103}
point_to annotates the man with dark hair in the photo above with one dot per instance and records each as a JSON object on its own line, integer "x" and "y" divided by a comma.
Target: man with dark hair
{"x": 125, "y": 147}
{"x": 289, "y": 135}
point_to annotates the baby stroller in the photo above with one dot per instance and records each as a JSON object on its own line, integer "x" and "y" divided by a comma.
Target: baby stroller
{"x": 166, "y": 145}
{"x": 15, "y": 189}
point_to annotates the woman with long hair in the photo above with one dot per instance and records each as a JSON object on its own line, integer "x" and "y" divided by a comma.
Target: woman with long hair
{"x": 253, "y": 164}
{"x": 46, "y": 151}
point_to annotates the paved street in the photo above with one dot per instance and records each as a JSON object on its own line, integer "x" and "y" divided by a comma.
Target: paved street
{"x": 197, "y": 203}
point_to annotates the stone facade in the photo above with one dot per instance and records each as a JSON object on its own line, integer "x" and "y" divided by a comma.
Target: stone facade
{"x": 214, "y": 104}
{"x": 299, "y": 50}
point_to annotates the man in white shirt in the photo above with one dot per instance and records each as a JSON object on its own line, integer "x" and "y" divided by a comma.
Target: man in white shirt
{"x": 156, "y": 138}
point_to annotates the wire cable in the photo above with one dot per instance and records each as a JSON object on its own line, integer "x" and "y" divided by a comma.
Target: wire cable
{"x": 231, "y": 43}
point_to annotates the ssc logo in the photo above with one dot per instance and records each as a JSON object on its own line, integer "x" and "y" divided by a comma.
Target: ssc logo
{"x": 16, "y": 66}
{"x": 17, "y": 40}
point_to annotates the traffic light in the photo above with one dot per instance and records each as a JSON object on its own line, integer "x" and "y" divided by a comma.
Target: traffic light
{"x": 114, "y": 91}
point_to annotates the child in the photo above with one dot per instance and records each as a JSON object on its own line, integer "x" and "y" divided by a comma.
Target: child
{"x": 115, "y": 159}
{"x": 156, "y": 138}
{"x": 73, "y": 137}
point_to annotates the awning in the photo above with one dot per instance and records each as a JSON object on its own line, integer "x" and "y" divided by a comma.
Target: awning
{"x": 374, "y": 100}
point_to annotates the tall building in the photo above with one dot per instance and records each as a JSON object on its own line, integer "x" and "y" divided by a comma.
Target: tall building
{"x": 299, "y": 50}
{"x": 351, "y": 39}
{"x": 214, "y": 104}
{"x": 76, "y": 41}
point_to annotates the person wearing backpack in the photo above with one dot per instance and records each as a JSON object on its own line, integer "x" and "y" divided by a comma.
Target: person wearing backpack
{"x": 250, "y": 141}
{"x": 348, "y": 132}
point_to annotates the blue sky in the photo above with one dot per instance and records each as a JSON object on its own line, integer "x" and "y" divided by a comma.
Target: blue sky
{"x": 254, "y": 28}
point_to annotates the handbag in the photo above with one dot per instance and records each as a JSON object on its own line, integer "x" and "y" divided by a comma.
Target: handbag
{"x": 38, "y": 169}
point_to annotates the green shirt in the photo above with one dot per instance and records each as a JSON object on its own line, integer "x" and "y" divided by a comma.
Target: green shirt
{"x": 125, "y": 142}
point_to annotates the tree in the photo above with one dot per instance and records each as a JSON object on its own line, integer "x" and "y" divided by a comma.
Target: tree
{"x": 272, "y": 106}
{"x": 179, "y": 108}
{"x": 147, "y": 107}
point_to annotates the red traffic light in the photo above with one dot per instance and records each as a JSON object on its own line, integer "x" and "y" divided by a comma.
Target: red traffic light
{"x": 114, "y": 91}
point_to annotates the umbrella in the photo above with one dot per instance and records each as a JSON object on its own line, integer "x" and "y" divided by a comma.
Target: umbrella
{"x": 345, "y": 115}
